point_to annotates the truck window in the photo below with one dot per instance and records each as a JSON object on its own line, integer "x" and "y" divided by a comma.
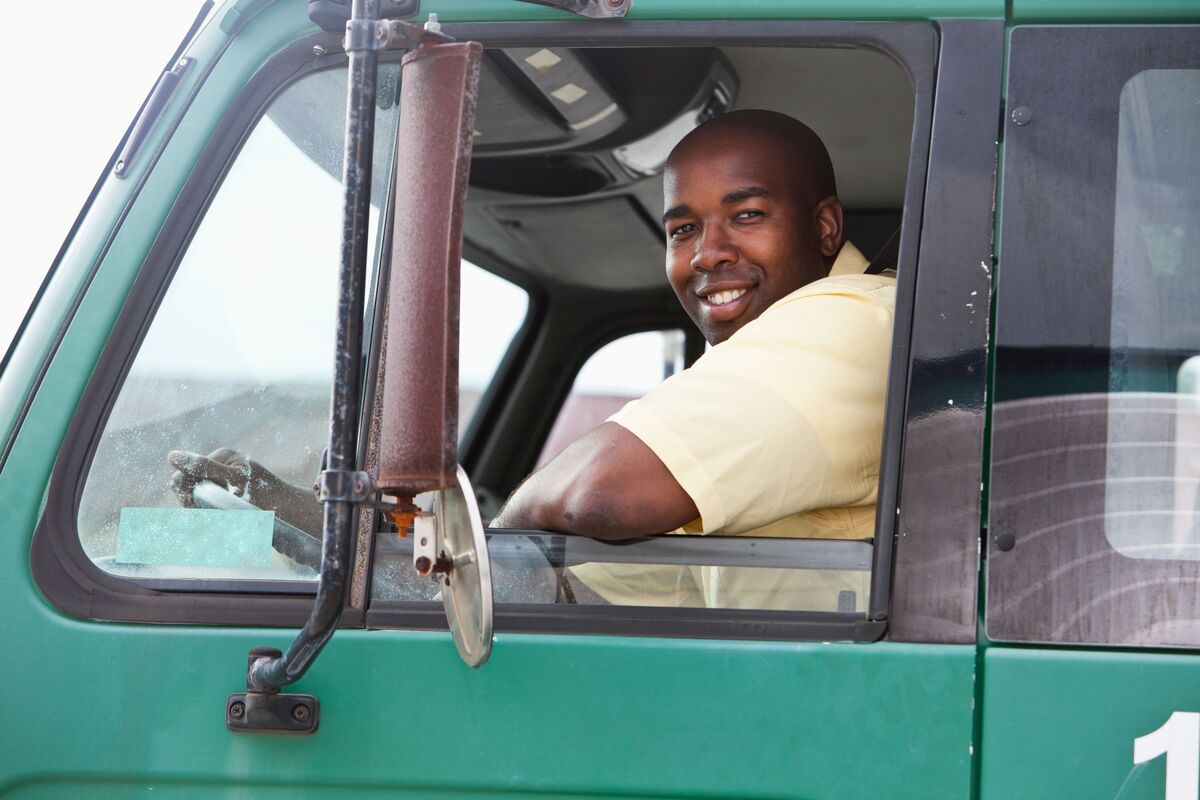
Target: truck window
{"x": 1095, "y": 527}
{"x": 622, "y": 370}
{"x": 565, "y": 205}
{"x": 237, "y": 357}
{"x": 573, "y": 200}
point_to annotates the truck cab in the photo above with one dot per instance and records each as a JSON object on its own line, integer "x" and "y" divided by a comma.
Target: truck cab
{"x": 1026, "y": 610}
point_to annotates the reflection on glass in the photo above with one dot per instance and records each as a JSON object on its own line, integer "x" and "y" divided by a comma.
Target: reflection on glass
{"x": 622, "y": 370}
{"x": 491, "y": 311}
{"x": 238, "y": 356}
{"x": 668, "y": 571}
{"x": 1153, "y": 432}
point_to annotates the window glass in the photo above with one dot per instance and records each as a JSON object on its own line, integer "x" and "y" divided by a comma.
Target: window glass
{"x": 236, "y": 363}
{"x": 491, "y": 311}
{"x": 621, "y": 371}
{"x": 1153, "y": 442}
{"x": 1095, "y": 452}
{"x": 547, "y": 202}
{"x": 673, "y": 571}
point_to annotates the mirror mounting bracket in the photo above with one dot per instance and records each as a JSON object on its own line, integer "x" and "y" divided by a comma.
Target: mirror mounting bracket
{"x": 270, "y": 710}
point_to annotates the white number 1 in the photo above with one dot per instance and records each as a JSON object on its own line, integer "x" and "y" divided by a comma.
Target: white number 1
{"x": 1179, "y": 739}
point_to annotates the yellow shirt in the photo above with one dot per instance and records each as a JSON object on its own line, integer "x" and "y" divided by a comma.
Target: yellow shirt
{"x": 777, "y": 432}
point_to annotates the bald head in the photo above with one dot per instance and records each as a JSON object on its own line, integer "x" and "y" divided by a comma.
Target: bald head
{"x": 794, "y": 146}
{"x": 750, "y": 214}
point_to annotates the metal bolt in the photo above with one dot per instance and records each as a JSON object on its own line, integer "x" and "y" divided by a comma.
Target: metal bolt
{"x": 237, "y": 710}
{"x": 1005, "y": 541}
{"x": 360, "y": 487}
{"x": 120, "y": 167}
{"x": 319, "y": 50}
{"x": 1022, "y": 116}
{"x": 300, "y": 712}
{"x": 423, "y": 565}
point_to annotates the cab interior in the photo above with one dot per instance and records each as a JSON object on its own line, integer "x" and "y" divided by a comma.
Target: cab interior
{"x": 566, "y": 199}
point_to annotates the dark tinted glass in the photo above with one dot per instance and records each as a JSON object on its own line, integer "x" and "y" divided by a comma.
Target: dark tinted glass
{"x": 1095, "y": 528}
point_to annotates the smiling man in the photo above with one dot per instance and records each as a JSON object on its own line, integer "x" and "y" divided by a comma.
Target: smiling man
{"x": 777, "y": 429}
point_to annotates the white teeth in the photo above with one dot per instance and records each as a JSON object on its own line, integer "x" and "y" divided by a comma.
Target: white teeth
{"x": 728, "y": 296}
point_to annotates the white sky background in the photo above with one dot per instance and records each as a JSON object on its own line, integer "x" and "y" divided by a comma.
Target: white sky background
{"x": 66, "y": 112}
{"x": 65, "y": 108}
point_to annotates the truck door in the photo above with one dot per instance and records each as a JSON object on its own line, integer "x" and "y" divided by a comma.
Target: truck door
{"x": 192, "y": 316}
{"x": 1092, "y": 615}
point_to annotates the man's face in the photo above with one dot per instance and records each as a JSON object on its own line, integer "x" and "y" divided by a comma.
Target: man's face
{"x": 739, "y": 233}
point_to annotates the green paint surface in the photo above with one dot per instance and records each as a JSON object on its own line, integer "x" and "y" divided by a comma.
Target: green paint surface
{"x": 119, "y": 710}
{"x": 116, "y": 710}
{"x": 1061, "y": 723}
{"x": 546, "y": 716}
{"x": 1104, "y": 11}
{"x": 195, "y": 537}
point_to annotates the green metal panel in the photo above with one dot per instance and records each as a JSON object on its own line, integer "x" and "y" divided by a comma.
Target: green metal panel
{"x": 138, "y": 705}
{"x": 1061, "y": 723}
{"x": 108, "y": 710}
{"x": 1104, "y": 11}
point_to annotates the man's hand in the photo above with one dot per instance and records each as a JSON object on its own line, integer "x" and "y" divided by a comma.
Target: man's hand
{"x": 247, "y": 479}
{"x": 608, "y": 485}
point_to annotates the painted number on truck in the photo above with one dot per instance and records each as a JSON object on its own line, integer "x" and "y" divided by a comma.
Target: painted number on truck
{"x": 1179, "y": 740}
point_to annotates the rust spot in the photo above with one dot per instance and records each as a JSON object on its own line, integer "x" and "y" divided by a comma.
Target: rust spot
{"x": 419, "y": 426}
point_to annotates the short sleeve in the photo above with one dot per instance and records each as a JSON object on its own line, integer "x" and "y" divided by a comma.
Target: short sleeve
{"x": 785, "y": 416}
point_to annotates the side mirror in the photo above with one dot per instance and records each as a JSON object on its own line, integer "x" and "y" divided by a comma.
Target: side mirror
{"x": 418, "y": 447}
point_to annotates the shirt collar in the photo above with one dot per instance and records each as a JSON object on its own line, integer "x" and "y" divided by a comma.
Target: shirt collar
{"x": 849, "y": 261}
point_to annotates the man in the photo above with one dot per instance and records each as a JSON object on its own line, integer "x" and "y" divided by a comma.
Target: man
{"x": 776, "y": 430}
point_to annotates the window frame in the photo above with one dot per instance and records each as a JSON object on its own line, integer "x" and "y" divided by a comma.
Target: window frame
{"x": 1071, "y": 211}
{"x": 931, "y": 602}
{"x": 60, "y": 567}
{"x": 914, "y": 47}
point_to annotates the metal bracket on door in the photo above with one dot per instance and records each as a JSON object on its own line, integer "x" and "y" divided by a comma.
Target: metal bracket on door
{"x": 596, "y": 9}
{"x": 271, "y": 711}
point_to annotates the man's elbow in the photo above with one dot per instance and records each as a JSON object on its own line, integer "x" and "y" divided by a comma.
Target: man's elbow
{"x": 593, "y": 509}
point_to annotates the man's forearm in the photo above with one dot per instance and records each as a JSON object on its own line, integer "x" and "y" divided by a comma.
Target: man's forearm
{"x": 607, "y": 485}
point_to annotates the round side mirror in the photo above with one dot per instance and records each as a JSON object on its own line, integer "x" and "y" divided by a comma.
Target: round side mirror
{"x": 467, "y": 586}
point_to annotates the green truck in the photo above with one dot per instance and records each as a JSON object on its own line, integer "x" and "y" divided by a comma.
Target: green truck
{"x": 488, "y": 173}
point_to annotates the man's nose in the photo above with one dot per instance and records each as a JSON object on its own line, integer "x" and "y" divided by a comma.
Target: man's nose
{"x": 714, "y": 249}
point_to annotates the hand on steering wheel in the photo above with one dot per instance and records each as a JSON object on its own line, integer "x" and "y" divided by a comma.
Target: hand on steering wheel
{"x": 248, "y": 480}
{"x": 223, "y": 466}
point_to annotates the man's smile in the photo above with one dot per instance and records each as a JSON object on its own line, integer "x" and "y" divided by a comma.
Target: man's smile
{"x": 721, "y": 303}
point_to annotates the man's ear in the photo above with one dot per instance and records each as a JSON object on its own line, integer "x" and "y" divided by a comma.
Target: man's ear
{"x": 827, "y": 214}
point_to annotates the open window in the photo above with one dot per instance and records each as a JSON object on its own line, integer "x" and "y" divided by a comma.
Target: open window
{"x": 566, "y": 191}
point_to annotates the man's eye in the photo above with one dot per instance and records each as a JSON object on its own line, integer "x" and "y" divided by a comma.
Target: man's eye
{"x": 681, "y": 230}
{"x": 748, "y": 213}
